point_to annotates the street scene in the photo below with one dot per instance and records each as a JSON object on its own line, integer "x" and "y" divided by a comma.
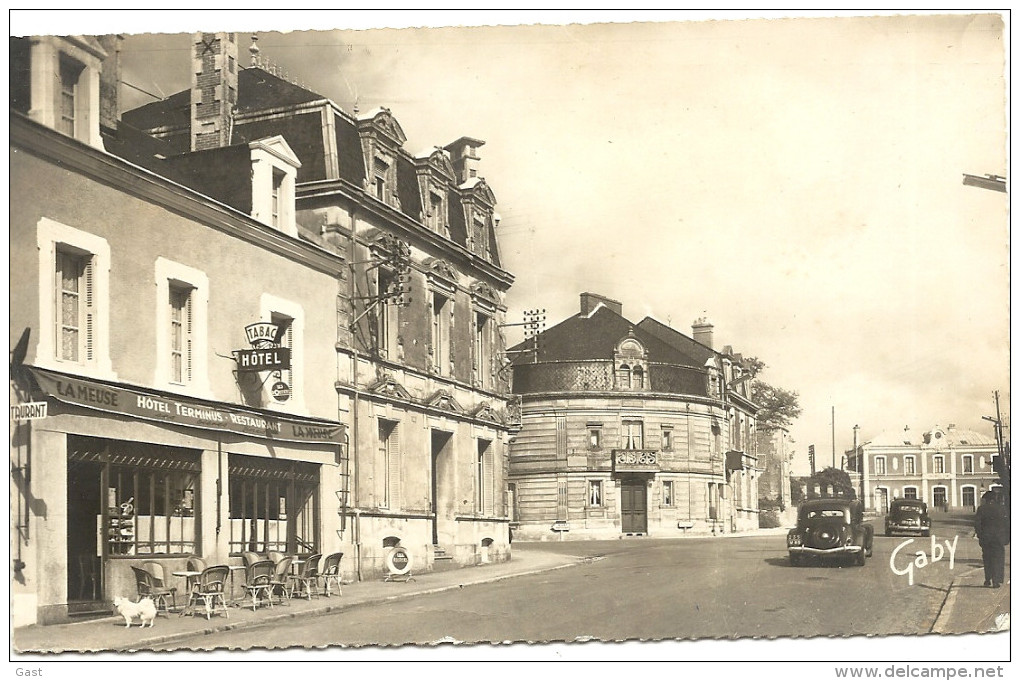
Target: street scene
{"x": 632, "y": 335}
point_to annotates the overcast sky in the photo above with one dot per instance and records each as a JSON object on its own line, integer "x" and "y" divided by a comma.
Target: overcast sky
{"x": 797, "y": 181}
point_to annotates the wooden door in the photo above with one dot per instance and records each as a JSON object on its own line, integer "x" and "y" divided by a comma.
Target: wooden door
{"x": 634, "y": 507}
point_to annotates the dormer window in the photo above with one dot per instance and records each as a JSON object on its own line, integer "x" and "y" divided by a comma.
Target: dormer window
{"x": 436, "y": 215}
{"x": 64, "y": 85}
{"x": 382, "y": 170}
{"x": 274, "y": 176}
{"x": 70, "y": 72}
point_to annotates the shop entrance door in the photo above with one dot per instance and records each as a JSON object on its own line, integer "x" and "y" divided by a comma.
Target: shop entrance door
{"x": 634, "y": 506}
{"x": 84, "y": 553}
{"x": 444, "y": 503}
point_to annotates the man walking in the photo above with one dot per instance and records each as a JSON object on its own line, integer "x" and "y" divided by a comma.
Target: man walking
{"x": 991, "y": 524}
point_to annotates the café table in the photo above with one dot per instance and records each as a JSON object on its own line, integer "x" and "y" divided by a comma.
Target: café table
{"x": 190, "y": 576}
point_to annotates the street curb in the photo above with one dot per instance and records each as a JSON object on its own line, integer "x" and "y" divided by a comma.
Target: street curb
{"x": 949, "y": 603}
{"x": 142, "y": 645}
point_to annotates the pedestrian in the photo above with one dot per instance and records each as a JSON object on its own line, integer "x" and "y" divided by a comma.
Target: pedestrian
{"x": 991, "y": 525}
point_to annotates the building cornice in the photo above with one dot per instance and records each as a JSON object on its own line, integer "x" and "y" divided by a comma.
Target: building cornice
{"x": 407, "y": 228}
{"x": 527, "y": 398}
{"x": 50, "y": 145}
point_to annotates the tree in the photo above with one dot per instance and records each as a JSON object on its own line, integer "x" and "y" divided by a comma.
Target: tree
{"x": 838, "y": 479}
{"x": 777, "y": 407}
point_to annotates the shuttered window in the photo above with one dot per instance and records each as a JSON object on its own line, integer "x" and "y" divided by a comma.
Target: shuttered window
{"x": 181, "y": 328}
{"x": 75, "y": 306}
{"x": 389, "y": 461}
{"x": 484, "y": 475}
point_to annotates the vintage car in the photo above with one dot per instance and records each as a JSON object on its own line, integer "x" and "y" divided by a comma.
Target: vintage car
{"x": 907, "y": 516}
{"x": 830, "y": 528}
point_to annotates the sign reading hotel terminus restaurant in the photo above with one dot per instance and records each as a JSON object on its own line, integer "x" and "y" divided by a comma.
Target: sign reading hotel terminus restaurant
{"x": 104, "y": 397}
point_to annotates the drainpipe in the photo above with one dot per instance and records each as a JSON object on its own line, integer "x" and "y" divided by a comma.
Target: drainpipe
{"x": 353, "y": 450}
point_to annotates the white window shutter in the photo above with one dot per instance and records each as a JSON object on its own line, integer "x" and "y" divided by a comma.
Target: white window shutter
{"x": 394, "y": 466}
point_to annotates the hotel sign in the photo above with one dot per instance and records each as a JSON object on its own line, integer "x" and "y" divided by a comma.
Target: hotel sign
{"x": 266, "y": 353}
{"x": 192, "y": 413}
{"x": 272, "y": 359}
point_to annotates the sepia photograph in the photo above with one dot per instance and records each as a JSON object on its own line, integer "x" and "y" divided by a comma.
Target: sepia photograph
{"x": 476, "y": 336}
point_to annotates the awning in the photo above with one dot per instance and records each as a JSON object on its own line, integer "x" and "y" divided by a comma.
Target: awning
{"x": 172, "y": 409}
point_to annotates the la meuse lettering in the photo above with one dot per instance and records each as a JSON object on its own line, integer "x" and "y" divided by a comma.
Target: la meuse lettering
{"x": 88, "y": 393}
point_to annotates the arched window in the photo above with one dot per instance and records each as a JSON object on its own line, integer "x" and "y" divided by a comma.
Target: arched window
{"x": 638, "y": 375}
{"x": 623, "y": 377}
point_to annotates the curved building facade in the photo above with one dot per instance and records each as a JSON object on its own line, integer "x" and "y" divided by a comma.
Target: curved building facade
{"x": 630, "y": 430}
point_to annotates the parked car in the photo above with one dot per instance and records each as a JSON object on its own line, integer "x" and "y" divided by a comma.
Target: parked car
{"x": 830, "y": 528}
{"x": 907, "y": 516}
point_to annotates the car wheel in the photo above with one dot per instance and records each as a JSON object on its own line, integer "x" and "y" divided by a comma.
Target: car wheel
{"x": 862, "y": 558}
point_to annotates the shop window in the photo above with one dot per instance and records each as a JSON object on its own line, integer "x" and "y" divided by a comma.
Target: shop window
{"x": 595, "y": 493}
{"x": 274, "y": 505}
{"x": 150, "y": 496}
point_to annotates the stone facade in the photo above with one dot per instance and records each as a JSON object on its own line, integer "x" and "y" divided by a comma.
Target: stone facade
{"x": 629, "y": 432}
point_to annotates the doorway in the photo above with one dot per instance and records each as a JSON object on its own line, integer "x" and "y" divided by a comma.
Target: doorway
{"x": 84, "y": 554}
{"x": 442, "y": 486}
{"x": 633, "y": 506}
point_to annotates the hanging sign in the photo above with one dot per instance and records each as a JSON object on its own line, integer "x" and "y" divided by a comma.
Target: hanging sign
{"x": 266, "y": 353}
{"x": 398, "y": 562}
{"x": 280, "y": 391}
{"x": 28, "y": 411}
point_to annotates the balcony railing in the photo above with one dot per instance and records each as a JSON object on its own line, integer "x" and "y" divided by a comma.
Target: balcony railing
{"x": 636, "y": 460}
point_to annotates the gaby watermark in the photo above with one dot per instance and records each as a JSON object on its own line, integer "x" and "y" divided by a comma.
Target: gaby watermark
{"x": 921, "y": 559}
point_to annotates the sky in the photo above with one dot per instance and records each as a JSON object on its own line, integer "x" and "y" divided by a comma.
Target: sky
{"x": 797, "y": 181}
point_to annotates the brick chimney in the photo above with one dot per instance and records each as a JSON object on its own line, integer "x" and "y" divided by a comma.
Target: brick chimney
{"x": 702, "y": 331}
{"x": 589, "y": 301}
{"x": 109, "y": 81}
{"x": 464, "y": 157}
{"x": 213, "y": 89}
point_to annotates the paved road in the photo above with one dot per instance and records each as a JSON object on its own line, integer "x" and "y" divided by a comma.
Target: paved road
{"x": 649, "y": 589}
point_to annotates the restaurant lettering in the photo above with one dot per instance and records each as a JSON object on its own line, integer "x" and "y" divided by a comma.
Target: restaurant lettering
{"x": 169, "y": 410}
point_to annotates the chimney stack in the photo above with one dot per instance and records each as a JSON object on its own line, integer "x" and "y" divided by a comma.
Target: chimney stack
{"x": 109, "y": 81}
{"x": 702, "y": 330}
{"x": 589, "y": 301}
{"x": 213, "y": 89}
{"x": 464, "y": 157}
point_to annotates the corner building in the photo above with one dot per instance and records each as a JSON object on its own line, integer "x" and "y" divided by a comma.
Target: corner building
{"x": 135, "y": 275}
{"x": 418, "y": 343}
{"x": 629, "y": 430}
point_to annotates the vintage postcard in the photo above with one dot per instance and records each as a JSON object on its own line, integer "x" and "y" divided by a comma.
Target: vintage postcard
{"x": 536, "y": 335}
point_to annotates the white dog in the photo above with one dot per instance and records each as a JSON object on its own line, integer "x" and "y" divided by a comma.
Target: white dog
{"x": 144, "y": 609}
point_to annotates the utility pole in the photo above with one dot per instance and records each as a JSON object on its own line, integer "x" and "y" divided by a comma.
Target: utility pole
{"x": 858, "y": 462}
{"x": 834, "y": 436}
{"x": 1003, "y": 468}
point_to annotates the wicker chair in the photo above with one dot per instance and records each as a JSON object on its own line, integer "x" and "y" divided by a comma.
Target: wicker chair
{"x": 274, "y": 556}
{"x": 258, "y": 578}
{"x": 331, "y": 573}
{"x": 307, "y": 581}
{"x": 149, "y": 587}
{"x": 281, "y": 579}
{"x": 250, "y": 558}
{"x": 211, "y": 588}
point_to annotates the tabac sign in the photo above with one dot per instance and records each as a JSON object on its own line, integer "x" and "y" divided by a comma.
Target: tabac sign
{"x": 266, "y": 353}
